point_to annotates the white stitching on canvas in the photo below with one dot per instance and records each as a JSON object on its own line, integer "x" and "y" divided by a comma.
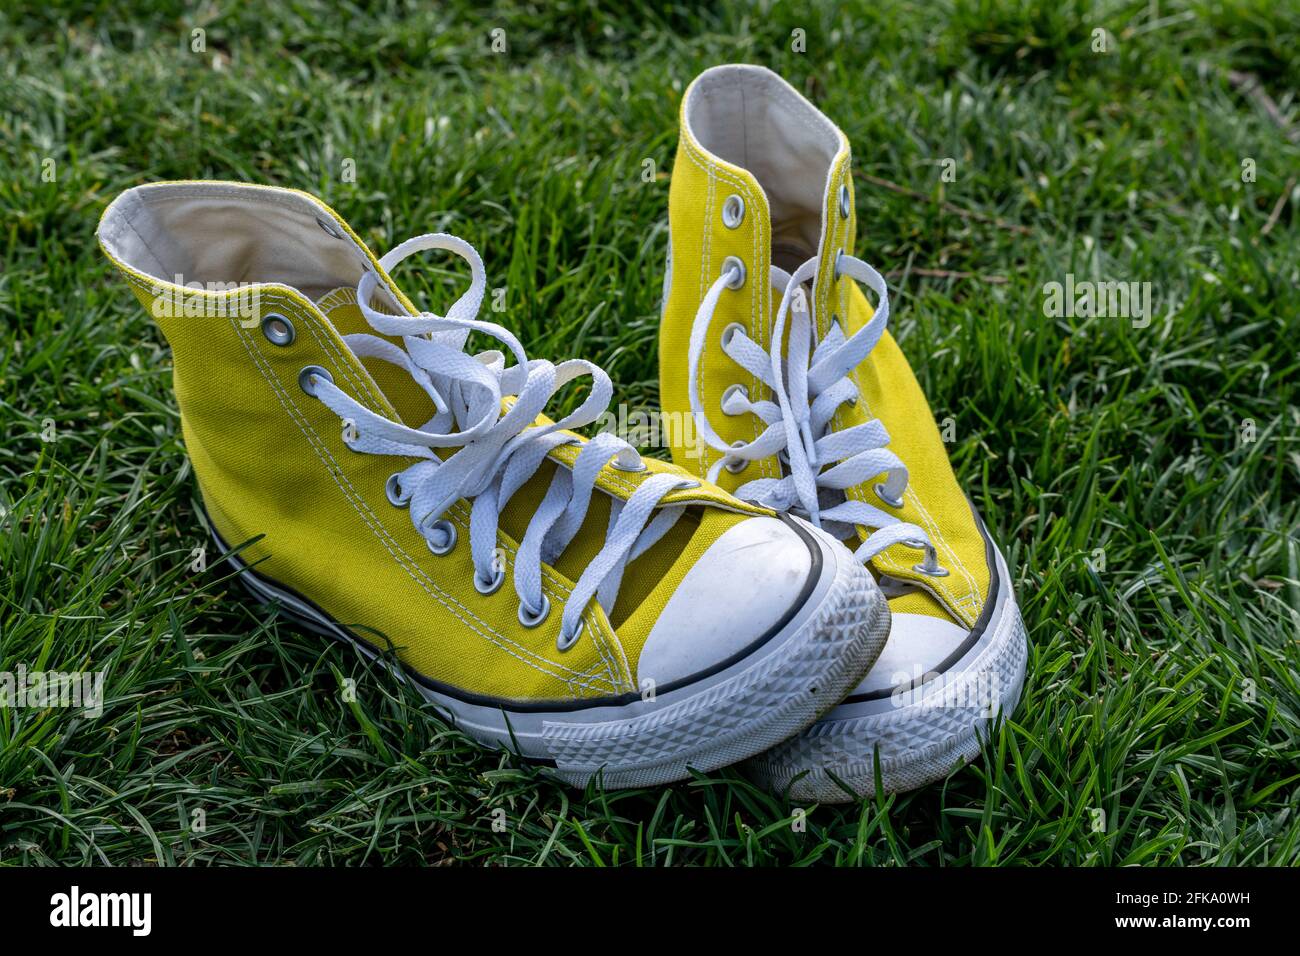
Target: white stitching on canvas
{"x": 757, "y": 298}
{"x": 460, "y": 510}
{"x": 404, "y": 560}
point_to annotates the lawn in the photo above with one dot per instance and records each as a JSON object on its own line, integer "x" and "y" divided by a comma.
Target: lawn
{"x": 1140, "y": 475}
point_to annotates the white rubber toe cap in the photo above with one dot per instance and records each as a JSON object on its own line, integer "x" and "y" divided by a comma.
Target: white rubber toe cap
{"x": 917, "y": 645}
{"x": 744, "y": 586}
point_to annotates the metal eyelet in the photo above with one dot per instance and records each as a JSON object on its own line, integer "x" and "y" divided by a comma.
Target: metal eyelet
{"x": 563, "y": 642}
{"x": 310, "y": 372}
{"x": 930, "y": 567}
{"x": 729, "y": 332}
{"x": 846, "y": 201}
{"x": 736, "y": 465}
{"x": 892, "y": 502}
{"x": 731, "y": 390}
{"x": 733, "y": 211}
{"x": 277, "y": 329}
{"x": 839, "y": 254}
{"x": 731, "y": 262}
{"x": 393, "y": 489}
{"x": 492, "y": 586}
{"x": 631, "y": 470}
{"x": 449, "y": 532}
{"x": 328, "y": 228}
{"x": 529, "y": 618}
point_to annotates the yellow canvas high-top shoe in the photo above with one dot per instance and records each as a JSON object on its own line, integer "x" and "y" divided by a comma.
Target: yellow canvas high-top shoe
{"x": 560, "y": 597}
{"x": 803, "y": 402}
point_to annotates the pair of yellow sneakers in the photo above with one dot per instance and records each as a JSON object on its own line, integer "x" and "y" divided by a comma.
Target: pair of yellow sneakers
{"x": 613, "y": 616}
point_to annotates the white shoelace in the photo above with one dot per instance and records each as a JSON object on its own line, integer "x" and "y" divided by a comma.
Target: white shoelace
{"x": 810, "y": 384}
{"x": 497, "y": 453}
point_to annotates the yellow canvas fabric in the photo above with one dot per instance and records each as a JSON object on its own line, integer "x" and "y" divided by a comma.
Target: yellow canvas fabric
{"x": 277, "y": 479}
{"x": 699, "y": 244}
{"x": 650, "y": 580}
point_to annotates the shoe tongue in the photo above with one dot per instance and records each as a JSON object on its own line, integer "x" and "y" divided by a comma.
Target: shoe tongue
{"x": 920, "y": 601}
{"x": 410, "y": 401}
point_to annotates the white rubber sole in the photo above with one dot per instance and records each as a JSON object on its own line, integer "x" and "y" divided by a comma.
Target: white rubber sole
{"x": 921, "y": 734}
{"x": 774, "y": 692}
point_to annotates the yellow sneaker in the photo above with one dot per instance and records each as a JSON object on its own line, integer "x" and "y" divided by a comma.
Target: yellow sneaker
{"x": 804, "y": 403}
{"x": 382, "y": 485}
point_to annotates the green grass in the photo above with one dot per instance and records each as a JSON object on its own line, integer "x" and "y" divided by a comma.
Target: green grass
{"x": 1155, "y": 551}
